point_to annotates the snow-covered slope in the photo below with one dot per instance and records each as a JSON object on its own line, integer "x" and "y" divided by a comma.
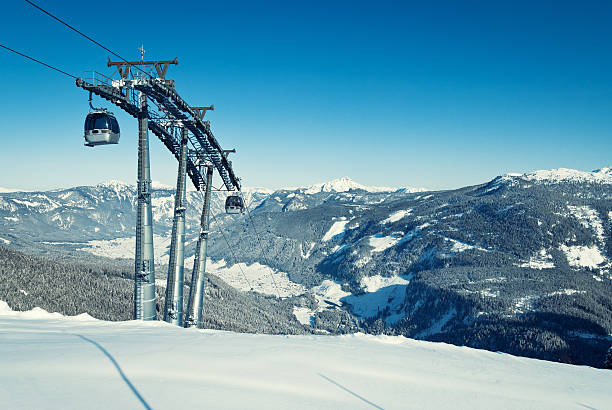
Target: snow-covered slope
{"x": 78, "y": 362}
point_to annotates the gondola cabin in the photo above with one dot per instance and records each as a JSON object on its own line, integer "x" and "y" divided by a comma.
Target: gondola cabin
{"x": 234, "y": 204}
{"x": 101, "y": 128}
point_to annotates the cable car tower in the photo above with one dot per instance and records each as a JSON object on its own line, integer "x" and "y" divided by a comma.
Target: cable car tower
{"x": 140, "y": 88}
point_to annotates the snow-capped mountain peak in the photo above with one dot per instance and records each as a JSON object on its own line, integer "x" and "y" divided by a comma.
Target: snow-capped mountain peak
{"x": 343, "y": 184}
{"x": 9, "y": 190}
{"x": 599, "y": 176}
{"x": 5, "y": 190}
{"x": 116, "y": 184}
{"x": 160, "y": 185}
{"x": 113, "y": 184}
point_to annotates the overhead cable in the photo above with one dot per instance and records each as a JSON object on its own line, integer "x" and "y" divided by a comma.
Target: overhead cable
{"x": 82, "y": 34}
{"x": 38, "y": 61}
{"x": 261, "y": 247}
{"x": 231, "y": 249}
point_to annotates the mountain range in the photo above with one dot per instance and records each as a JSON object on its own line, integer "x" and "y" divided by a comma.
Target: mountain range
{"x": 520, "y": 264}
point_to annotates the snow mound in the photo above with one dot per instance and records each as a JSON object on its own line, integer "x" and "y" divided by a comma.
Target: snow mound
{"x": 40, "y": 314}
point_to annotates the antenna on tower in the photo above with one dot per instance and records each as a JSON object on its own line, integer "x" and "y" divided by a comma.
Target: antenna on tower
{"x": 142, "y": 53}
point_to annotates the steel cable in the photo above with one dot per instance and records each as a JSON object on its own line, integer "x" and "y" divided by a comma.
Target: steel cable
{"x": 38, "y": 61}
{"x": 82, "y": 34}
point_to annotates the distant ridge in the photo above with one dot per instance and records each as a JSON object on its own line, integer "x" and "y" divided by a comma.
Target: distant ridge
{"x": 346, "y": 184}
{"x": 598, "y": 176}
{"x": 9, "y": 190}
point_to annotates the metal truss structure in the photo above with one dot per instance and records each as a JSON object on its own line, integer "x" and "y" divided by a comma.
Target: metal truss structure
{"x": 148, "y": 96}
{"x": 167, "y": 109}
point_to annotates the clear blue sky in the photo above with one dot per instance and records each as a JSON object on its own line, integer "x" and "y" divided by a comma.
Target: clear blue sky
{"x": 388, "y": 93}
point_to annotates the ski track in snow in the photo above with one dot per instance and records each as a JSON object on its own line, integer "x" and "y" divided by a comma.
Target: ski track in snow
{"x": 214, "y": 369}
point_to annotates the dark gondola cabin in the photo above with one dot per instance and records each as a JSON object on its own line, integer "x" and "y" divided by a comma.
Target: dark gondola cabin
{"x": 101, "y": 128}
{"x": 234, "y": 205}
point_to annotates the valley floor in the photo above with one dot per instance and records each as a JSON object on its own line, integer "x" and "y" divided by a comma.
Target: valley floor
{"x": 49, "y": 361}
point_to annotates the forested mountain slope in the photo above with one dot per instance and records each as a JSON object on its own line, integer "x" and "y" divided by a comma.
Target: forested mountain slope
{"x": 519, "y": 264}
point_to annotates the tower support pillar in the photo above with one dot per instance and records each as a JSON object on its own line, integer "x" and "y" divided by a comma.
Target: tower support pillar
{"x": 195, "y": 307}
{"x": 173, "y": 310}
{"x": 144, "y": 267}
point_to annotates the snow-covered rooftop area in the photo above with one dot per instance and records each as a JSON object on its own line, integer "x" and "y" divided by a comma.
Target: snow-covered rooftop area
{"x": 78, "y": 362}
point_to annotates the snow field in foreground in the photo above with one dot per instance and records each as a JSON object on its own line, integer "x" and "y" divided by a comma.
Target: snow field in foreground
{"x": 74, "y": 363}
